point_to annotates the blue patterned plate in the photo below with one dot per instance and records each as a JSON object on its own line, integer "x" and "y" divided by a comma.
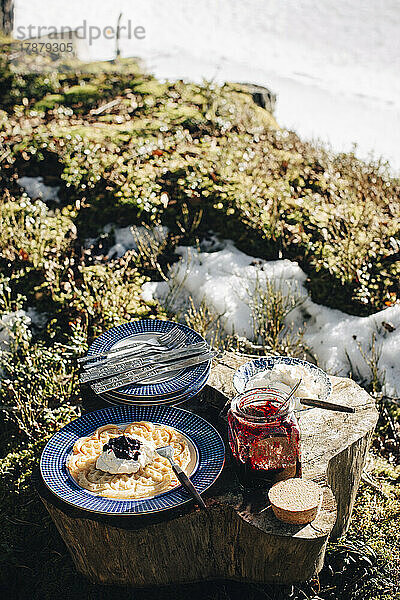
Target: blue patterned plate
{"x": 265, "y": 363}
{"x": 157, "y": 402}
{"x": 174, "y": 399}
{"x": 151, "y": 400}
{"x": 205, "y": 439}
{"x": 177, "y": 382}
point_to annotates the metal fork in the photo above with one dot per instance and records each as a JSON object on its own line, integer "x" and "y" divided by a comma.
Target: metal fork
{"x": 168, "y": 453}
{"x": 142, "y": 352}
{"x": 166, "y": 340}
{"x": 105, "y": 369}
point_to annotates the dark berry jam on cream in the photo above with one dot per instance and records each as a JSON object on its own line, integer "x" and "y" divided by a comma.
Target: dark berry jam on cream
{"x": 124, "y": 446}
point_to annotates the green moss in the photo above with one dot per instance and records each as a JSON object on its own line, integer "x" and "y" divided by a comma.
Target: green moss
{"x": 49, "y": 102}
{"x": 151, "y": 87}
{"x": 87, "y": 93}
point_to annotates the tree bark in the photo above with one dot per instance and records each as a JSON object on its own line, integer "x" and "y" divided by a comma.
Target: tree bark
{"x": 6, "y": 17}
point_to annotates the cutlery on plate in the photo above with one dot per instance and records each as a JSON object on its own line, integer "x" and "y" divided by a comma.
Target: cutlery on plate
{"x": 169, "y": 340}
{"x": 130, "y": 364}
{"x": 168, "y": 453}
{"x": 327, "y": 405}
{"x": 135, "y": 352}
{"x": 147, "y": 374}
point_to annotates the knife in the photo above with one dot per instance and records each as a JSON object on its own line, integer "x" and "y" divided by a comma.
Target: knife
{"x": 132, "y": 364}
{"x": 148, "y": 373}
{"x": 327, "y": 405}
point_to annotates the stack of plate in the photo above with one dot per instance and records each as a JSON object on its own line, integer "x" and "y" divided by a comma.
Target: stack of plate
{"x": 170, "y": 388}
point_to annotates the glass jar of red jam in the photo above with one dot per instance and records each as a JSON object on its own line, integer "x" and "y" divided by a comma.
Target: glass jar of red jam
{"x": 264, "y": 436}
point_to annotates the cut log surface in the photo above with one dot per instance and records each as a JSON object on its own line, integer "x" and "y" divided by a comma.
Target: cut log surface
{"x": 239, "y": 538}
{"x": 334, "y": 445}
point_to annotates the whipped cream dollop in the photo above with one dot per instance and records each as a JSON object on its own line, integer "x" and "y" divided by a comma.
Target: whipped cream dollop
{"x": 284, "y": 377}
{"x": 126, "y": 454}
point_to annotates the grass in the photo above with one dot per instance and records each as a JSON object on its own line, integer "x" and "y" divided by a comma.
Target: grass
{"x": 270, "y": 306}
{"x": 192, "y": 158}
{"x": 203, "y": 320}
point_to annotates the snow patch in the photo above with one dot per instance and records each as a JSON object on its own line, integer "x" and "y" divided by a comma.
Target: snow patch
{"x": 226, "y": 281}
{"x": 38, "y": 319}
{"x": 9, "y": 322}
{"x": 127, "y": 238}
{"x": 35, "y": 188}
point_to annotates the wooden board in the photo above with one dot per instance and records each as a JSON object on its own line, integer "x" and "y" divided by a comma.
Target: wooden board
{"x": 239, "y": 538}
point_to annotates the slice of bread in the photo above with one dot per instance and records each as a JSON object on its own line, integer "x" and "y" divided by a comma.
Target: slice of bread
{"x": 295, "y": 500}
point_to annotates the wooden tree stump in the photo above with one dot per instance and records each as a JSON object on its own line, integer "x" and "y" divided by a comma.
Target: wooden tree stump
{"x": 240, "y": 538}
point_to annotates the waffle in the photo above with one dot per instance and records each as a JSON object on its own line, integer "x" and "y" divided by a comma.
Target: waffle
{"x": 151, "y": 480}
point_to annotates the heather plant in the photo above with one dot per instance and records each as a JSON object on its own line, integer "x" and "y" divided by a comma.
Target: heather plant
{"x": 263, "y": 187}
{"x": 35, "y": 247}
{"x": 207, "y": 323}
{"x": 31, "y": 233}
{"x": 106, "y": 295}
{"x": 151, "y": 246}
{"x": 39, "y": 389}
{"x": 271, "y": 307}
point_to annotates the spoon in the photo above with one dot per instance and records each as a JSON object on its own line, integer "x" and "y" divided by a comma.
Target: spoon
{"x": 292, "y": 391}
{"x": 168, "y": 453}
